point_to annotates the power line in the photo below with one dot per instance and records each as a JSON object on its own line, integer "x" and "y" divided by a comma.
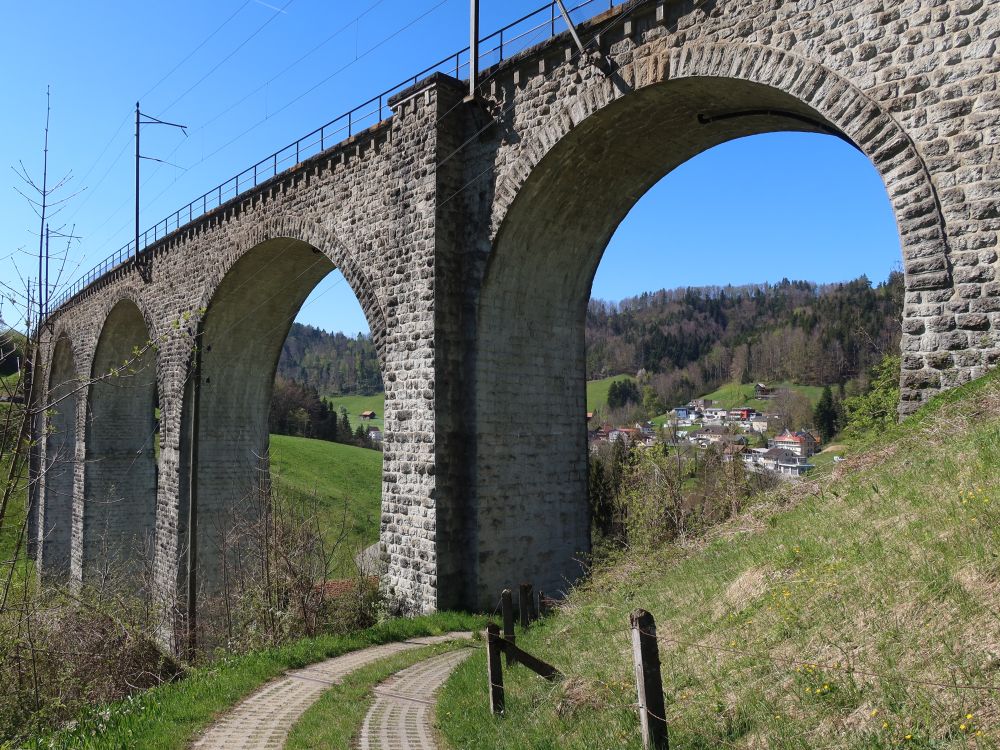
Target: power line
{"x": 126, "y": 118}
{"x": 257, "y": 124}
{"x": 238, "y": 47}
{"x": 496, "y": 119}
{"x": 195, "y": 50}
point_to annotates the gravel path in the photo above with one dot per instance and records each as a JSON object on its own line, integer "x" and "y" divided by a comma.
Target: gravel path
{"x": 264, "y": 719}
{"x": 402, "y": 716}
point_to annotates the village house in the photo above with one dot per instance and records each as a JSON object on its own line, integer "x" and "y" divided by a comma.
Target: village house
{"x": 368, "y": 415}
{"x": 375, "y": 435}
{"x": 733, "y": 450}
{"x": 627, "y": 435}
{"x": 682, "y": 413}
{"x": 759, "y": 423}
{"x": 700, "y": 403}
{"x": 779, "y": 461}
{"x": 709, "y": 434}
{"x": 800, "y": 443}
{"x": 762, "y": 391}
{"x": 740, "y": 413}
{"x": 715, "y": 413}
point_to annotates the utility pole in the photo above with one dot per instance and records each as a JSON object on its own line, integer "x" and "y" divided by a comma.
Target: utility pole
{"x": 43, "y": 227}
{"x": 139, "y": 121}
{"x": 473, "y": 49}
{"x": 137, "y": 157}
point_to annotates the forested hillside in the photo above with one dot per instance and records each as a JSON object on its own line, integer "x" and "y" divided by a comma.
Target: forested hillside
{"x": 691, "y": 340}
{"x": 332, "y": 363}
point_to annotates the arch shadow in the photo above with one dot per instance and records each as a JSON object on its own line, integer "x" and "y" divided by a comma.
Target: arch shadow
{"x": 121, "y": 444}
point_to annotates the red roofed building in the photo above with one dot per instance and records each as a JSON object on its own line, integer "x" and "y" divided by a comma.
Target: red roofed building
{"x": 800, "y": 443}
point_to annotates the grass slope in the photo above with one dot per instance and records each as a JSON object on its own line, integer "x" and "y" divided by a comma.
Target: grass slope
{"x": 731, "y": 396}
{"x": 357, "y": 404}
{"x": 169, "y": 717}
{"x": 597, "y": 391}
{"x": 344, "y": 483}
{"x": 816, "y": 619}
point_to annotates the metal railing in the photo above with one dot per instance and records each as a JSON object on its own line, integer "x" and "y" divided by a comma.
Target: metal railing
{"x": 513, "y": 38}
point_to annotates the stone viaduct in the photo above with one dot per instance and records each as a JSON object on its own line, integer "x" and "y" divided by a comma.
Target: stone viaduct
{"x": 470, "y": 232}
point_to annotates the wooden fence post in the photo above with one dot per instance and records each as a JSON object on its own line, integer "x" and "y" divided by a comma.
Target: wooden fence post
{"x": 524, "y": 604}
{"x": 507, "y": 609}
{"x": 494, "y": 668}
{"x": 543, "y": 607}
{"x": 648, "y": 684}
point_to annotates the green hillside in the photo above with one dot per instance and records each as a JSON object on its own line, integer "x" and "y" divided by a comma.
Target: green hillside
{"x": 597, "y": 391}
{"x": 343, "y": 481}
{"x": 731, "y": 396}
{"x": 859, "y": 610}
{"x": 357, "y": 404}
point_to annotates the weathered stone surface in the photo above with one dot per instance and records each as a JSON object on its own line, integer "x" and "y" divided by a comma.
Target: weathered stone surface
{"x": 471, "y": 234}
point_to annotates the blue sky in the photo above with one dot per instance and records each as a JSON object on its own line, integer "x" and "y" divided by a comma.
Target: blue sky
{"x": 249, "y": 76}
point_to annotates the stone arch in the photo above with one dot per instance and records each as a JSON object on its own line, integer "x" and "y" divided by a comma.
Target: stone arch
{"x": 58, "y": 470}
{"x": 833, "y": 103}
{"x": 566, "y": 186}
{"x": 120, "y": 473}
{"x": 322, "y": 239}
{"x": 249, "y": 304}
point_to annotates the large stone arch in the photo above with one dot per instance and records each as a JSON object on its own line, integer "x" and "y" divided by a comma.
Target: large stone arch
{"x": 832, "y": 103}
{"x": 59, "y": 460}
{"x": 560, "y": 194}
{"x": 120, "y": 472}
{"x": 249, "y": 303}
{"x": 323, "y": 239}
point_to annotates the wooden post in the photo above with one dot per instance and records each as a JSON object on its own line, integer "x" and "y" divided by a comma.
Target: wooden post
{"x": 524, "y": 604}
{"x": 648, "y": 685}
{"x": 494, "y": 668}
{"x": 543, "y": 607}
{"x": 507, "y": 609}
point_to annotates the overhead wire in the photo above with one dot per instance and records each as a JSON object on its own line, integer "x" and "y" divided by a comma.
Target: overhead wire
{"x": 193, "y": 52}
{"x": 253, "y": 127}
{"x": 126, "y": 118}
{"x": 496, "y": 118}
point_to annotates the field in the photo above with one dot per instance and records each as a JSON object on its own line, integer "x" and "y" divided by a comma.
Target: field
{"x": 856, "y": 611}
{"x": 344, "y": 483}
{"x": 597, "y": 391}
{"x": 357, "y": 404}
{"x": 597, "y": 398}
{"x": 731, "y": 396}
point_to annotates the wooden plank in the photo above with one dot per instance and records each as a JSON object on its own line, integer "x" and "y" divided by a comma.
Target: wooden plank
{"x": 507, "y": 610}
{"x": 524, "y": 604}
{"x": 494, "y": 668}
{"x": 536, "y": 665}
{"x": 648, "y": 684}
